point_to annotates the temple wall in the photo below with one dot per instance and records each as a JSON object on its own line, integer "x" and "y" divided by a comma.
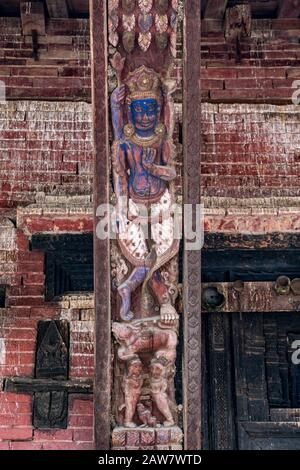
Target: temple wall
{"x": 250, "y": 173}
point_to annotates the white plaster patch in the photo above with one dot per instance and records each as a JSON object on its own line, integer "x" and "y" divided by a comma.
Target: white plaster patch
{"x": 2, "y": 351}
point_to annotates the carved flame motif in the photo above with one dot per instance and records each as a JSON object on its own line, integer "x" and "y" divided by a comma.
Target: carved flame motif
{"x": 145, "y": 22}
{"x": 145, "y": 41}
{"x": 129, "y": 22}
{"x": 145, "y": 5}
{"x": 161, "y": 23}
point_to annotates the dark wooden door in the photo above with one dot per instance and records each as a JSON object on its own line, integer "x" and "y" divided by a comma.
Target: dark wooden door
{"x": 252, "y": 386}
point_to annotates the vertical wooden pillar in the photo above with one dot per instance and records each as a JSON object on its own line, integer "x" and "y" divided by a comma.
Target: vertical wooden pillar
{"x": 102, "y": 389}
{"x": 192, "y": 259}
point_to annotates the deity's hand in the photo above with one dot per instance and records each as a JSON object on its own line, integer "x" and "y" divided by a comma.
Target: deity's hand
{"x": 149, "y": 157}
{"x": 118, "y": 96}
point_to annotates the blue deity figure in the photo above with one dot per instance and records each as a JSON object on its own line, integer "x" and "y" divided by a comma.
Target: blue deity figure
{"x": 141, "y": 168}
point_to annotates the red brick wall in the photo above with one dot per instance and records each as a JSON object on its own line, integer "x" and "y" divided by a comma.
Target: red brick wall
{"x": 23, "y": 272}
{"x": 63, "y": 69}
{"x": 44, "y": 146}
{"x": 250, "y": 150}
{"x": 270, "y": 62}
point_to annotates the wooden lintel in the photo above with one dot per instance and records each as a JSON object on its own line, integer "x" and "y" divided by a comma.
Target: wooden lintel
{"x": 57, "y": 8}
{"x": 215, "y": 9}
{"x": 29, "y": 385}
{"x": 253, "y": 297}
{"x": 289, "y": 9}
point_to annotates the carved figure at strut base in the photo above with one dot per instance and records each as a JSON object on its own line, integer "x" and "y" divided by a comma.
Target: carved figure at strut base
{"x": 132, "y": 386}
{"x": 159, "y": 387}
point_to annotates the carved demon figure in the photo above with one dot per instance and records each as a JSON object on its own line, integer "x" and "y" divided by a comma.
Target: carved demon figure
{"x": 142, "y": 169}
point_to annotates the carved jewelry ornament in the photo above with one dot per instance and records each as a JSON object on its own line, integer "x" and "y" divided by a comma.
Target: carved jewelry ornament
{"x": 145, "y": 5}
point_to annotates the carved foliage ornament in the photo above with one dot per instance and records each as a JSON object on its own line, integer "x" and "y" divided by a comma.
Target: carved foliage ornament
{"x": 113, "y": 5}
{"x": 113, "y": 21}
{"x": 129, "y": 22}
{"x": 145, "y": 22}
{"x": 161, "y": 23}
{"x": 128, "y": 40}
{"x": 128, "y": 5}
{"x": 144, "y": 41}
{"x": 161, "y": 6}
{"x": 145, "y": 5}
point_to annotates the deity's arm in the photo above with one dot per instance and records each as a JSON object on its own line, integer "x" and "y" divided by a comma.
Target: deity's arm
{"x": 120, "y": 173}
{"x": 117, "y": 116}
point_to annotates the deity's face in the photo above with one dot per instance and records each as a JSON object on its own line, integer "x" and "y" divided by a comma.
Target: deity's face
{"x": 145, "y": 114}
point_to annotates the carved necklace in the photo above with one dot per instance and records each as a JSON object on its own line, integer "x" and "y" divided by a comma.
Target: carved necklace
{"x": 160, "y": 131}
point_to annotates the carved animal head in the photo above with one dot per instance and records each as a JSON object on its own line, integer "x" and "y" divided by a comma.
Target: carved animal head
{"x": 122, "y": 331}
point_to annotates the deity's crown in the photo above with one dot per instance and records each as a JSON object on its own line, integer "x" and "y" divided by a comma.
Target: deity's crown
{"x": 143, "y": 83}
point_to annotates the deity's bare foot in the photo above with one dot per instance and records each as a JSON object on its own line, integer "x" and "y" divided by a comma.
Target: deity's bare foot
{"x": 169, "y": 423}
{"x": 168, "y": 314}
{"x": 130, "y": 425}
{"x": 125, "y": 312}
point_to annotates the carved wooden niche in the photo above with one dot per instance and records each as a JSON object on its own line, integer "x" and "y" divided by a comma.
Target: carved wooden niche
{"x": 50, "y": 408}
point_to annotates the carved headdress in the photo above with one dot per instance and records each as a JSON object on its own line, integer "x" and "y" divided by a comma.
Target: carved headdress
{"x": 144, "y": 83}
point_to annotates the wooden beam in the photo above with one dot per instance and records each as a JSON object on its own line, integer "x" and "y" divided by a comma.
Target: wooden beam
{"x": 29, "y": 385}
{"x": 192, "y": 387}
{"x": 102, "y": 388}
{"x": 57, "y": 8}
{"x": 215, "y": 9}
{"x": 289, "y": 9}
{"x": 253, "y": 297}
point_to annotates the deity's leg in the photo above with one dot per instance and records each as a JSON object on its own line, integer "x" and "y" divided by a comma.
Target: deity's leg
{"x": 159, "y": 289}
{"x": 127, "y": 288}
